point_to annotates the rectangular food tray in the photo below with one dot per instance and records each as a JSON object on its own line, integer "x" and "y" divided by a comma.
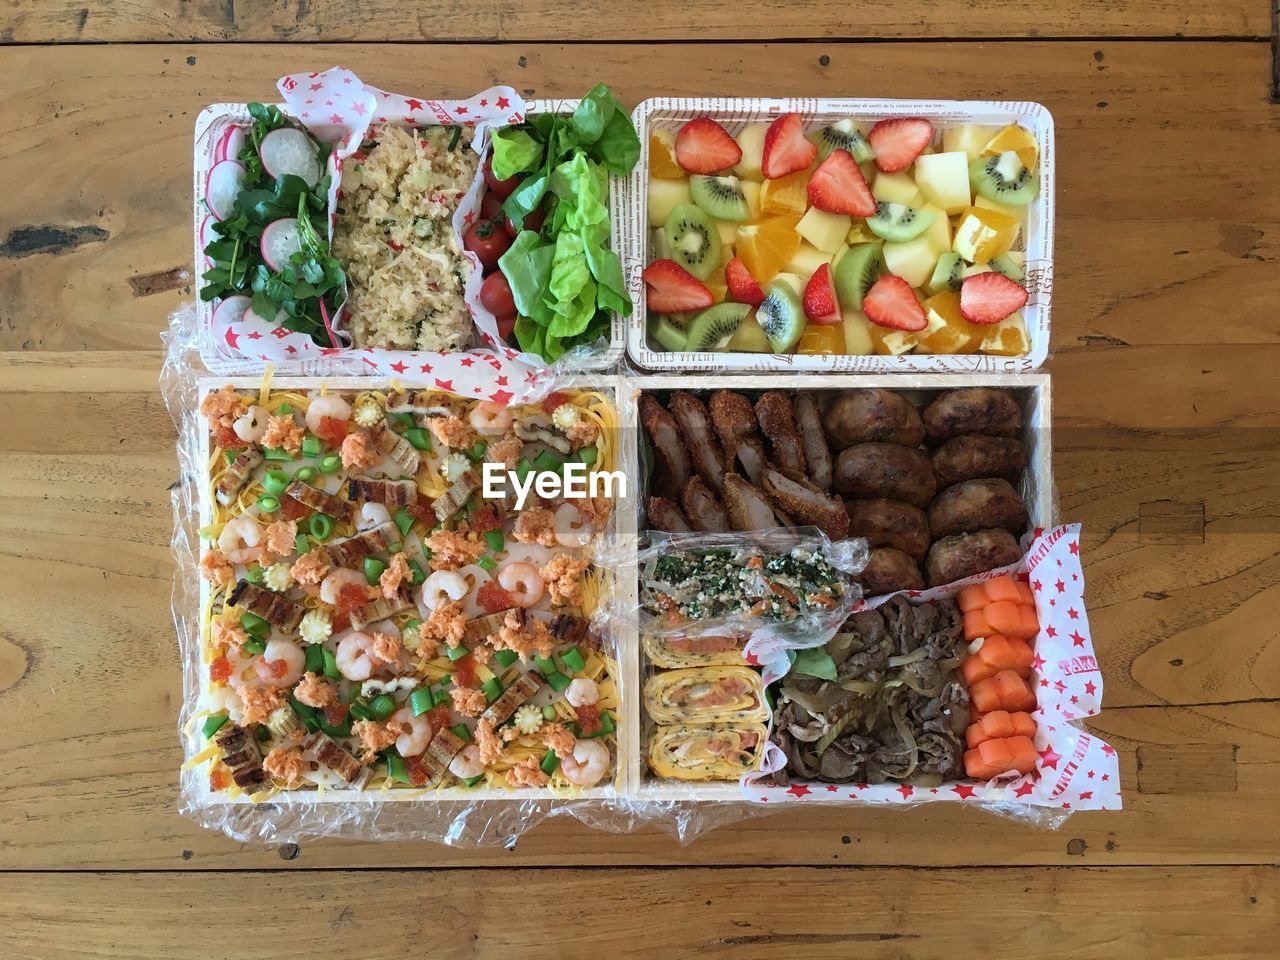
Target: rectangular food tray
{"x": 1036, "y": 488}
{"x": 212, "y": 122}
{"x": 669, "y": 113}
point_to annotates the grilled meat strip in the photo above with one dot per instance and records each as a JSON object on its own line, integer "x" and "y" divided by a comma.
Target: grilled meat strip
{"x": 456, "y": 497}
{"x": 778, "y": 423}
{"x": 665, "y": 515}
{"x": 817, "y": 455}
{"x": 277, "y": 610}
{"x": 241, "y": 753}
{"x": 237, "y": 475}
{"x": 382, "y": 608}
{"x": 480, "y": 627}
{"x": 390, "y": 493}
{"x": 400, "y": 451}
{"x": 349, "y": 551}
{"x": 309, "y": 496}
{"x": 699, "y": 438}
{"x": 567, "y": 628}
{"x": 803, "y": 500}
{"x": 704, "y": 511}
{"x": 421, "y": 403}
{"x": 664, "y": 434}
{"x": 444, "y": 746}
{"x": 521, "y": 689}
{"x": 747, "y": 505}
{"x": 331, "y": 754}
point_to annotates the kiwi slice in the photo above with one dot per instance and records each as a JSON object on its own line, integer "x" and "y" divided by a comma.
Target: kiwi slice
{"x": 855, "y": 270}
{"x": 1009, "y": 267}
{"x": 722, "y": 197}
{"x": 1004, "y": 179}
{"x": 781, "y": 316}
{"x": 667, "y": 332}
{"x": 947, "y": 275}
{"x": 694, "y": 240}
{"x": 712, "y": 328}
{"x": 844, "y": 135}
{"x": 898, "y": 223}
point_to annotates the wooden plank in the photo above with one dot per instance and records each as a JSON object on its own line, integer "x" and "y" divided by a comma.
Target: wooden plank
{"x": 748, "y": 912}
{"x": 1147, "y": 253}
{"x": 481, "y": 21}
{"x": 1185, "y": 625}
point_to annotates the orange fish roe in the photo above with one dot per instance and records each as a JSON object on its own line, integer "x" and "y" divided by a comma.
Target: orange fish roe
{"x": 493, "y": 598}
{"x": 535, "y": 525}
{"x": 359, "y": 452}
{"x": 588, "y": 718}
{"x": 283, "y": 433}
{"x": 220, "y": 669}
{"x": 438, "y": 717}
{"x": 527, "y": 774}
{"x": 216, "y": 568}
{"x": 468, "y": 702}
{"x": 450, "y": 550}
{"x": 335, "y": 714}
{"x": 464, "y": 671}
{"x": 563, "y": 577}
{"x": 218, "y": 779}
{"x": 332, "y": 431}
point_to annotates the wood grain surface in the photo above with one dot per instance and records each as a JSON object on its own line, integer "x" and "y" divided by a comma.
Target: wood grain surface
{"x": 1167, "y": 449}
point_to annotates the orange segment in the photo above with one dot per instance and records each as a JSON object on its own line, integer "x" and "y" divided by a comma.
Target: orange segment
{"x": 1018, "y": 139}
{"x": 789, "y": 194}
{"x": 948, "y": 331}
{"x": 767, "y": 245}
{"x": 821, "y": 339}
{"x": 662, "y": 156}
{"x": 1008, "y": 338}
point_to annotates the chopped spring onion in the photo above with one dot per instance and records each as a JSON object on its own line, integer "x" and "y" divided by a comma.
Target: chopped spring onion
{"x": 548, "y": 462}
{"x": 276, "y": 454}
{"x": 573, "y": 659}
{"x": 548, "y": 712}
{"x": 396, "y": 769}
{"x": 254, "y": 624}
{"x": 545, "y": 665}
{"x": 263, "y": 734}
{"x": 342, "y": 730}
{"x": 382, "y": 706}
{"x": 454, "y": 136}
{"x": 549, "y": 762}
{"x": 419, "y": 575}
{"x": 331, "y": 463}
{"x": 315, "y": 659}
{"x": 556, "y": 680}
{"x": 306, "y": 474}
{"x": 373, "y": 568}
{"x": 206, "y": 533}
{"x": 404, "y": 521}
{"x": 495, "y": 540}
{"x": 606, "y": 726}
{"x": 421, "y": 700}
{"x": 462, "y": 732}
{"x": 254, "y": 574}
{"x": 309, "y": 715}
{"x": 274, "y": 481}
{"x": 268, "y": 503}
{"x": 285, "y": 410}
{"x": 395, "y": 547}
{"x": 472, "y": 781}
{"x": 419, "y": 438}
{"x": 476, "y": 451}
{"x": 360, "y": 711}
{"x": 505, "y": 658}
{"x": 321, "y": 526}
{"x": 330, "y": 663}
{"x": 523, "y": 470}
{"x": 213, "y": 724}
{"x": 230, "y": 455}
{"x": 492, "y": 689}
{"x": 487, "y": 563}
{"x": 588, "y": 455}
{"x": 311, "y": 446}
{"x": 404, "y": 419}
{"x": 456, "y": 653}
{"x": 301, "y": 544}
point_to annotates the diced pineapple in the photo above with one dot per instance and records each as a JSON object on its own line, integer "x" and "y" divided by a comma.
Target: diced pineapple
{"x": 1008, "y": 338}
{"x": 751, "y": 142}
{"x": 728, "y": 233}
{"x": 982, "y": 234}
{"x": 943, "y": 178}
{"x": 793, "y": 281}
{"x": 663, "y": 197}
{"x": 717, "y": 284}
{"x": 897, "y": 188}
{"x": 982, "y": 203}
{"x": 826, "y": 231}
{"x": 751, "y": 190}
{"x": 857, "y": 334}
{"x": 807, "y": 260}
{"x": 749, "y": 338}
{"x": 859, "y": 232}
{"x": 969, "y": 138}
{"x": 913, "y": 261}
{"x": 939, "y": 232}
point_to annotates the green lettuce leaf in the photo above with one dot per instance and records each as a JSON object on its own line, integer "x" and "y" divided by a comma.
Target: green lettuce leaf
{"x": 514, "y": 151}
{"x": 527, "y": 267}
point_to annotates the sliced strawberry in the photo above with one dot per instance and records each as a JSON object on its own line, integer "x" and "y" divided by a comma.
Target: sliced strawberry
{"x": 990, "y": 297}
{"x": 742, "y": 285}
{"x": 703, "y": 146}
{"x": 785, "y": 148}
{"x": 898, "y": 142}
{"x": 673, "y": 289}
{"x": 820, "y": 304}
{"x": 892, "y": 303}
{"x": 837, "y": 186}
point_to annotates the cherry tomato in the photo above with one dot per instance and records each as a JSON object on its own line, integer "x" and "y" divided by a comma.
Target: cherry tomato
{"x": 490, "y": 206}
{"x": 488, "y": 241}
{"x": 506, "y": 327}
{"x": 532, "y": 221}
{"x": 502, "y": 188}
{"x": 495, "y": 295}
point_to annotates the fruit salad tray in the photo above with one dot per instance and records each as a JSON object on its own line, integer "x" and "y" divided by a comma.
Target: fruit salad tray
{"x": 840, "y": 235}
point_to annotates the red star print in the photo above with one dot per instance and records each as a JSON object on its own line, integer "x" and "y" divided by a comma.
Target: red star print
{"x": 1074, "y": 698}
{"x": 346, "y": 79}
{"x": 1049, "y": 759}
{"x": 1073, "y": 613}
{"x": 254, "y": 335}
{"x": 1053, "y": 602}
{"x": 1059, "y": 686}
{"x": 484, "y": 103}
{"x": 831, "y": 788}
{"x": 1074, "y": 547}
{"x": 1089, "y": 774}
{"x": 961, "y": 791}
{"x": 475, "y": 389}
{"x": 1075, "y": 576}
{"x": 446, "y": 385}
{"x": 426, "y": 368}
{"x": 1106, "y": 777}
{"x": 501, "y": 396}
{"x": 1036, "y": 585}
{"x": 315, "y": 87}
{"x": 359, "y": 108}
{"x": 413, "y": 104}
{"x": 1044, "y": 683}
{"x": 502, "y": 381}
{"x": 399, "y": 367}
{"x": 336, "y": 118}
{"x": 906, "y": 790}
{"x": 913, "y": 593}
{"x": 1109, "y": 750}
{"x": 1061, "y": 586}
{"x": 232, "y": 338}
{"x": 1051, "y": 631}
{"x": 1086, "y": 795}
{"x": 1076, "y": 639}
{"x": 460, "y": 111}
{"x": 467, "y": 361}
{"x": 1065, "y": 805}
{"x": 279, "y": 333}
{"x": 860, "y": 786}
{"x": 752, "y": 659}
{"x": 1090, "y": 687}
{"x": 1024, "y": 789}
{"x": 503, "y": 103}
{"x": 328, "y": 103}
{"x": 1038, "y": 662}
{"x": 291, "y": 348}
{"x": 329, "y": 351}
{"x": 798, "y": 790}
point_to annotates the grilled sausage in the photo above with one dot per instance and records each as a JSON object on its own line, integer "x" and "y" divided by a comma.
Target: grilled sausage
{"x": 973, "y": 455}
{"x": 890, "y": 523}
{"x": 972, "y": 410}
{"x": 955, "y": 558}
{"x": 887, "y": 470}
{"x": 889, "y": 570}
{"x": 872, "y": 414}
{"x": 975, "y": 505}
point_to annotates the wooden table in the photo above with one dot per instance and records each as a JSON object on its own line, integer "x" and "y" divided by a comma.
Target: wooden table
{"x": 1165, "y": 358}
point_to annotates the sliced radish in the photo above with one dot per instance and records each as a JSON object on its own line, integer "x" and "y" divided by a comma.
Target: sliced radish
{"x": 290, "y": 151}
{"x": 232, "y": 143}
{"x": 251, "y": 315}
{"x": 280, "y": 241}
{"x": 229, "y": 311}
{"x": 222, "y": 186}
{"x": 207, "y": 236}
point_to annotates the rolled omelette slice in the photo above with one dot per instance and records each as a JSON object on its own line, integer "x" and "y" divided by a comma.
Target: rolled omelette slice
{"x": 717, "y": 752}
{"x": 721, "y": 694}
{"x": 694, "y": 651}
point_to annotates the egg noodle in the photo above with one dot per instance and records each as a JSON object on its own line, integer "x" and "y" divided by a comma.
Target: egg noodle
{"x": 599, "y": 666}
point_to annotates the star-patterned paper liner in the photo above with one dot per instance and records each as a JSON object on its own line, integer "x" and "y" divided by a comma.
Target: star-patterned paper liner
{"x": 338, "y": 108}
{"x": 1076, "y": 770}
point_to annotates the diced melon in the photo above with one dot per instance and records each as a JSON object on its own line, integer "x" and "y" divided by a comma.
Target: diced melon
{"x": 976, "y": 269}
{"x": 751, "y": 142}
{"x": 968, "y": 138}
{"x": 859, "y": 232}
{"x": 938, "y": 232}
{"x": 897, "y": 188}
{"x": 807, "y": 260}
{"x": 857, "y": 334}
{"x": 826, "y": 231}
{"x": 943, "y": 178}
{"x": 728, "y": 233}
{"x": 982, "y": 203}
{"x": 663, "y": 197}
{"x": 749, "y": 338}
{"x": 661, "y": 247}
{"x": 913, "y": 261}
{"x": 751, "y": 190}
{"x": 793, "y": 281}
{"x": 1008, "y": 338}
{"x": 1018, "y": 257}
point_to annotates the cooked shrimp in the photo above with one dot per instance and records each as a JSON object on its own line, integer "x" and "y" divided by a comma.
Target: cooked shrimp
{"x": 241, "y": 538}
{"x": 588, "y": 763}
{"x": 252, "y": 425}
{"x": 330, "y": 405}
{"x": 417, "y": 735}
{"x": 490, "y": 419}
{"x": 281, "y": 663}
{"x": 442, "y": 587}
{"x": 522, "y": 582}
{"x": 331, "y": 586}
{"x": 582, "y": 692}
{"x": 373, "y": 514}
{"x": 467, "y": 764}
{"x": 572, "y": 529}
{"x": 356, "y": 658}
